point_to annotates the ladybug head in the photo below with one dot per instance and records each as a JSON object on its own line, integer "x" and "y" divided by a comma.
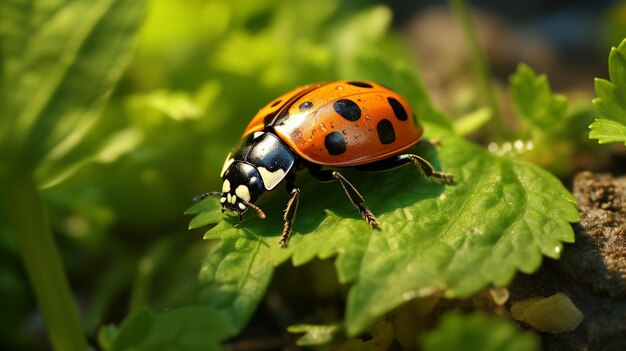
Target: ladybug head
{"x": 242, "y": 185}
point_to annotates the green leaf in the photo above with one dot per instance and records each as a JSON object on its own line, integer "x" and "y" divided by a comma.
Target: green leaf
{"x": 607, "y": 131}
{"x": 314, "y": 334}
{"x": 472, "y": 121}
{"x": 58, "y": 72}
{"x": 611, "y": 101}
{"x": 477, "y": 332}
{"x": 106, "y": 336}
{"x": 500, "y": 217}
{"x": 187, "y": 328}
{"x": 534, "y": 100}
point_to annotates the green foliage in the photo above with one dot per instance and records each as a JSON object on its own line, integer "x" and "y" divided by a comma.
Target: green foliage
{"x": 472, "y": 121}
{"x": 187, "y": 328}
{"x": 60, "y": 61}
{"x": 554, "y": 134}
{"x": 477, "y": 332}
{"x": 607, "y": 131}
{"x": 535, "y": 103}
{"x": 611, "y": 101}
{"x": 48, "y": 106}
{"x": 499, "y": 217}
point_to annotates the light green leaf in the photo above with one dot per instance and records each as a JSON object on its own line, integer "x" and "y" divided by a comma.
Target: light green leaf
{"x": 607, "y": 131}
{"x": 184, "y": 329}
{"x": 314, "y": 334}
{"x": 534, "y": 100}
{"x": 477, "y": 332}
{"x": 58, "y": 72}
{"x": 472, "y": 121}
{"x": 501, "y": 216}
{"x": 52, "y": 172}
{"x": 611, "y": 101}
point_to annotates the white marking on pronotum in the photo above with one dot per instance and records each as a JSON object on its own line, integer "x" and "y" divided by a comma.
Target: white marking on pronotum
{"x": 227, "y": 164}
{"x": 229, "y": 197}
{"x": 226, "y": 186}
{"x": 233, "y": 199}
{"x": 271, "y": 179}
{"x": 222, "y": 200}
{"x": 243, "y": 192}
{"x": 242, "y": 206}
{"x": 257, "y": 134}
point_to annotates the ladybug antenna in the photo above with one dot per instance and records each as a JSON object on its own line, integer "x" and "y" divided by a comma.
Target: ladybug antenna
{"x": 205, "y": 195}
{"x": 257, "y": 209}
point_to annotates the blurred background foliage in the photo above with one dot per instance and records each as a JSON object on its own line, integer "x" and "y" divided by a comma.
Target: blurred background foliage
{"x": 201, "y": 69}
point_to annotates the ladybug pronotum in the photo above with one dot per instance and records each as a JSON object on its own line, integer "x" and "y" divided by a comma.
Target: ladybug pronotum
{"x": 356, "y": 124}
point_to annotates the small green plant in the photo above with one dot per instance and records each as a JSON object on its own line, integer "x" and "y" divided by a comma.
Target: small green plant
{"x": 611, "y": 101}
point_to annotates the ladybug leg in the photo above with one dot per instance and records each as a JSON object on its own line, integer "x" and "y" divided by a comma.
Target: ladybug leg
{"x": 355, "y": 197}
{"x": 290, "y": 214}
{"x": 428, "y": 170}
{"x": 290, "y": 211}
{"x": 398, "y": 161}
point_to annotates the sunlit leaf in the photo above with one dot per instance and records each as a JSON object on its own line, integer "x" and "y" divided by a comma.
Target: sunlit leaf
{"x": 501, "y": 216}
{"x": 608, "y": 131}
{"x": 611, "y": 101}
{"x": 314, "y": 334}
{"x": 534, "y": 100}
{"x": 59, "y": 71}
{"x": 472, "y": 121}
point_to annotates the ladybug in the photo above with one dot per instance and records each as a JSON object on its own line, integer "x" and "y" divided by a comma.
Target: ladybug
{"x": 357, "y": 124}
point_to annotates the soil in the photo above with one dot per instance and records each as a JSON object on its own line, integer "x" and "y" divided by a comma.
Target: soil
{"x": 592, "y": 271}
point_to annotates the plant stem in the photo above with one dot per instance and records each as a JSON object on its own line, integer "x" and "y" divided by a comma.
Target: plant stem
{"x": 27, "y": 218}
{"x": 481, "y": 69}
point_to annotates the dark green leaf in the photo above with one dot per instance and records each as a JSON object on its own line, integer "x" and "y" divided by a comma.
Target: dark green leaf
{"x": 188, "y": 328}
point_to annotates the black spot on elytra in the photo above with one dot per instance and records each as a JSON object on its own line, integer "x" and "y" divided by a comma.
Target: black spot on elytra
{"x": 398, "y": 109}
{"x": 335, "y": 143}
{"x": 347, "y": 109}
{"x": 305, "y": 105}
{"x": 361, "y": 84}
{"x": 275, "y": 103}
{"x": 385, "y": 131}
